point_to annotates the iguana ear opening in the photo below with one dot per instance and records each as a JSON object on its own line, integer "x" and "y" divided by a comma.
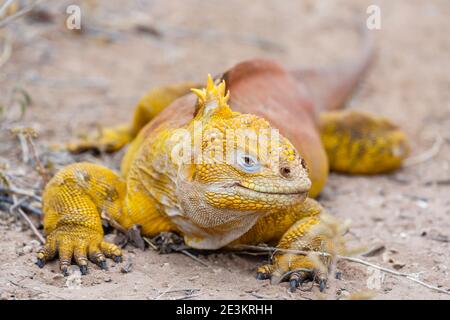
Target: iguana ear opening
{"x": 212, "y": 100}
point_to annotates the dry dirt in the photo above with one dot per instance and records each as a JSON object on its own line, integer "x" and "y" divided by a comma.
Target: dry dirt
{"x": 78, "y": 81}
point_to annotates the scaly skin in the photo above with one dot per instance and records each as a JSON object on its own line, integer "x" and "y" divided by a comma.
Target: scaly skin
{"x": 214, "y": 202}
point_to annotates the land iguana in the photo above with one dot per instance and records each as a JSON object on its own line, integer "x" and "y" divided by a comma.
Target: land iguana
{"x": 255, "y": 195}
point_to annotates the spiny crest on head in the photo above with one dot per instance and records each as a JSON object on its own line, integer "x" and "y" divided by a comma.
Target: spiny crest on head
{"x": 212, "y": 97}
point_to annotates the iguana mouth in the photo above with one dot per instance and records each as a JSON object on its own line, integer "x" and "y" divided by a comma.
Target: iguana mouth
{"x": 288, "y": 193}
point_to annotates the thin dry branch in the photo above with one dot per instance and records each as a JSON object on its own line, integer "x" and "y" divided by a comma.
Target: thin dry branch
{"x": 25, "y": 207}
{"x": 187, "y": 296}
{"x": 351, "y": 259}
{"x": 36, "y": 290}
{"x": 241, "y": 247}
{"x": 21, "y": 192}
{"x": 15, "y": 206}
{"x": 7, "y": 50}
{"x": 39, "y": 167}
{"x": 427, "y": 155}
{"x": 25, "y": 10}
{"x": 5, "y": 6}
{"x": 393, "y": 272}
{"x": 26, "y": 136}
{"x": 164, "y": 292}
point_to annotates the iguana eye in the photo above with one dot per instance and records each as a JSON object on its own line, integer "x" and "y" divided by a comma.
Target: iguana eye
{"x": 248, "y": 163}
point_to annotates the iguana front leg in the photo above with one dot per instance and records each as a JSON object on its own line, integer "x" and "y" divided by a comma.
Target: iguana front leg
{"x": 74, "y": 202}
{"x": 111, "y": 139}
{"x": 297, "y": 268}
{"x": 304, "y": 234}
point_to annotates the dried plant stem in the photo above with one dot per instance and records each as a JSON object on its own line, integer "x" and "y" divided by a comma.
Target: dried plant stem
{"x": 427, "y": 155}
{"x": 190, "y": 255}
{"x": 7, "y": 50}
{"x": 21, "y": 192}
{"x": 393, "y": 272}
{"x": 39, "y": 167}
{"x": 187, "y": 296}
{"x": 23, "y": 206}
{"x": 15, "y": 206}
{"x": 24, "y": 148}
{"x": 4, "y": 22}
{"x": 241, "y": 247}
{"x": 26, "y": 136}
{"x": 164, "y": 292}
{"x": 5, "y": 6}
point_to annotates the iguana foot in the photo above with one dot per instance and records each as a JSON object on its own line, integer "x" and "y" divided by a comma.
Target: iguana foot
{"x": 105, "y": 140}
{"x": 79, "y": 244}
{"x": 296, "y": 269}
{"x": 361, "y": 143}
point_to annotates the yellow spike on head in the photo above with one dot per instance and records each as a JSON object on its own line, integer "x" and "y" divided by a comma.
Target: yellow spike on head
{"x": 212, "y": 97}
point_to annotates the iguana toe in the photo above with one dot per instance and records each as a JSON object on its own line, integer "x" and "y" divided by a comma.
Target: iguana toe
{"x": 105, "y": 140}
{"x": 78, "y": 245}
{"x": 297, "y": 271}
{"x": 297, "y": 279}
{"x": 83, "y": 270}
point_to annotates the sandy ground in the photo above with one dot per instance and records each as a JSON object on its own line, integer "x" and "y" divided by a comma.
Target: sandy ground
{"x": 78, "y": 81}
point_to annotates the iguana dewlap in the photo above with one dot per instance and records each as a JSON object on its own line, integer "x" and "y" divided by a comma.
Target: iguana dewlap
{"x": 255, "y": 198}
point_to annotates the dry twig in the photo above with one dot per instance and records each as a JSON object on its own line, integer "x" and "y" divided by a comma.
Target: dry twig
{"x": 5, "y": 6}
{"x": 427, "y": 155}
{"x": 16, "y": 205}
{"x": 7, "y": 50}
{"x": 25, "y": 10}
{"x": 26, "y": 136}
{"x": 187, "y": 296}
{"x": 21, "y": 192}
{"x": 25, "y": 207}
{"x": 351, "y": 259}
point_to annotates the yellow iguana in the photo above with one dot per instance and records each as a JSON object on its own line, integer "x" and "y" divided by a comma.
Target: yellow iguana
{"x": 252, "y": 195}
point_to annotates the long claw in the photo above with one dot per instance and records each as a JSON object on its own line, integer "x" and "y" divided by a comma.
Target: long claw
{"x": 322, "y": 285}
{"x": 293, "y": 284}
{"x": 262, "y": 276}
{"x": 65, "y": 270}
{"x": 40, "y": 263}
{"x": 102, "y": 264}
{"x": 83, "y": 270}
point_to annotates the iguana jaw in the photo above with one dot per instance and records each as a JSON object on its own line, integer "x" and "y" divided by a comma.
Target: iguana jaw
{"x": 270, "y": 198}
{"x": 213, "y": 215}
{"x": 293, "y": 192}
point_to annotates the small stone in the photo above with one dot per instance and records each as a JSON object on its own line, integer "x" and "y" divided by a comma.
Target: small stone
{"x": 19, "y": 252}
{"x": 127, "y": 267}
{"x": 398, "y": 265}
{"x": 27, "y": 249}
{"x": 74, "y": 280}
{"x": 34, "y": 244}
{"x": 422, "y": 204}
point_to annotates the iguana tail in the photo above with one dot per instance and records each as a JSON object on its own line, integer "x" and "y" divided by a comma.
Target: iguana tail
{"x": 329, "y": 87}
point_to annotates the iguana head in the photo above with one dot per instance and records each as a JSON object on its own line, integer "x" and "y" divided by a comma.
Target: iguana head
{"x": 241, "y": 169}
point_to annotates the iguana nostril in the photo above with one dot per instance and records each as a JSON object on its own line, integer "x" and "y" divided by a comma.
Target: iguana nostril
{"x": 285, "y": 172}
